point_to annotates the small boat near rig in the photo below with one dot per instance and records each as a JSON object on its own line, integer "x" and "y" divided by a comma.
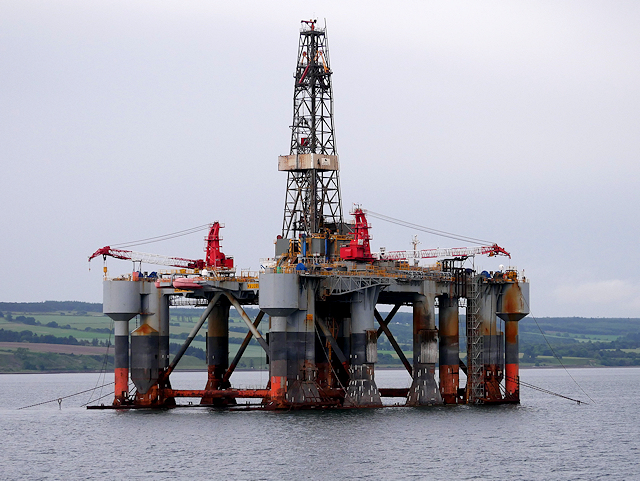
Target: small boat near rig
{"x": 320, "y": 293}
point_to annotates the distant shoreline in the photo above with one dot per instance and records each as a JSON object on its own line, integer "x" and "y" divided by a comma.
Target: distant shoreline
{"x": 204, "y": 371}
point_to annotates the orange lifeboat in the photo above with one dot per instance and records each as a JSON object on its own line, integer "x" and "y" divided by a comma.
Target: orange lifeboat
{"x": 187, "y": 282}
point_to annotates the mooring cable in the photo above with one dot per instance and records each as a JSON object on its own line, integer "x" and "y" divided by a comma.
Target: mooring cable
{"x": 131, "y": 385}
{"x": 106, "y": 356}
{"x": 428, "y": 230}
{"x": 554, "y": 353}
{"x": 97, "y": 399}
{"x": 173, "y": 235}
{"x": 546, "y": 391}
{"x": 103, "y": 368}
{"x": 59, "y": 399}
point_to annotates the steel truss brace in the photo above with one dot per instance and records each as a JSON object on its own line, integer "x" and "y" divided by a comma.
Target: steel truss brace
{"x": 387, "y": 319}
{"x": 234, "y": 302}
{"x": 192, "y": 334}
{"x": 340, "y": 285}
{"x": 383, "y": 325}
{"x": 334, "y": 344}
{"x": 243, "y": 347}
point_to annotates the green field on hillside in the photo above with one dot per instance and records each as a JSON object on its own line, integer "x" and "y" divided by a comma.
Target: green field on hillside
{"x": 25, "y": 360}
{"x": 89, "y": 327}
{"x": 577, "y": 341}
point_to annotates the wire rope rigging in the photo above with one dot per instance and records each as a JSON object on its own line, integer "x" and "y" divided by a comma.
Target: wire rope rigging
{"x": 428, "y": 230}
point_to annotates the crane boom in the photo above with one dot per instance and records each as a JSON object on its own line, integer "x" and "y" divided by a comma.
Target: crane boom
{"x": 148, "y": 258}
{"x": 492, "y": 250}
{"x": 215, "y": 258}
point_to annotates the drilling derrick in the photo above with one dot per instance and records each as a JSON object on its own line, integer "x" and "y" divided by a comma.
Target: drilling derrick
{"x": 312, "y": 202}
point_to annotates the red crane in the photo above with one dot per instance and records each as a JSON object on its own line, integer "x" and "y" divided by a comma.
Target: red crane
{"x": 359, "y": 249}
{"x": 215, "y": 258}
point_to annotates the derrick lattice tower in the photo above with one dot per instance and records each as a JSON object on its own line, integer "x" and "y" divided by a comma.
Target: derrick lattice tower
{"x": 312, "y": 202}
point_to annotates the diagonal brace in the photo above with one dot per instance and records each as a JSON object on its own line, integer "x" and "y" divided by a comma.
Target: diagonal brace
{"x": 388, "y": 319}
{"x": 243, "y": 347}
{"x": 334, "y": 344}
{"x": 463, "y": 366}
{"x": 245, "y": 318}
{"x": 192, "y": 334}
{"x": 392, "y": 340}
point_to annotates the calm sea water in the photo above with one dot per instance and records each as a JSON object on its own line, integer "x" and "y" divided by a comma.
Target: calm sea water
{"x": 544, "y": 438}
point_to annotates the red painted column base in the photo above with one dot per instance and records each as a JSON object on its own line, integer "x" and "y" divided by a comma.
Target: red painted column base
{"x": 512, "y": 382}
{"x": 277, "y": 392}
{"x": 121, "y": 385}
{"x": 449, "y": 382}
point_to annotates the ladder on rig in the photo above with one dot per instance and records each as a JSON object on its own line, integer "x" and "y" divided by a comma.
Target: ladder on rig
{"x": 475, "y": 343}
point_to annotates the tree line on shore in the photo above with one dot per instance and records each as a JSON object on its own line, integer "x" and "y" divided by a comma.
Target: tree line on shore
{"x": 28, "y": 336}
{"x": 564, "y": 337}
{"x": 51, "y": 306}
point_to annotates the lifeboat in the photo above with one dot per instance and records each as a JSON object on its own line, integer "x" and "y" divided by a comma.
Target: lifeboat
{"x": 187, "y": 282}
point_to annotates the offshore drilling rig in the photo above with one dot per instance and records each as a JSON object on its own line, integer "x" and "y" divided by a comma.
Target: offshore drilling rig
{"x": 320, "y": 292}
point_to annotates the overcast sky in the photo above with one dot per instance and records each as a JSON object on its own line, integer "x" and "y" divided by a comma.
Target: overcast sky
{"x": 516, "y": 122}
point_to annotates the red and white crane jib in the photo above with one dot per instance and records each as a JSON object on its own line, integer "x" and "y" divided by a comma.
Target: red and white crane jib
{"x": 155, "y": 259}
{"x": 493, "y": 250}
{"x": 215, "y": 258}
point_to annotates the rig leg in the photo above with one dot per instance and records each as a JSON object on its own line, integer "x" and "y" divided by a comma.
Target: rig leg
{"x": 121, "y": 362}
{"x": 424, "y": 389}
{"x": 144, "y": 362}
{"x": 150, "y": 348}
{"x": 493, "y": 343}
{"x": 145, "y": 347}
{"x": 449, "y": 349}
{"x": 292, "y": 340}
{"x": 302, "y": 373}
{"x": 323, "y": 353}
{"x": 344, "y": 342}
{"x": 278, "y": 362}
{"x": 513, "y": 305}
{"x": 218, "y": 352}
{"x": 362, "y": 390}
{"x": 331, "y": 360}
{"x": 512, "y": 361}
{"x": 164, "y": 318}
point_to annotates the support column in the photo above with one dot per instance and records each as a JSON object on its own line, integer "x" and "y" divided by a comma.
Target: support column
{"x": 144, "y": 362}
{"x": 513, "y": 305}
{"x": 280, "y": 299}
{"x": 512, "y": 361}
{"x": 121, "y": 361}
{"x": 334, "y": 316}
{"x": 164, "y": 318}
{"x": 492, "y": 345}
{"x": 278, "y": 361}
{"x": 323, "y": 348}
{"x": 309, "y": 327}
{"x": 449, "y": 349}
{"x": 145, "y": 347}
{"x": 121, "y": 302}
{"x": 344, "y": 342}
{"x": 295, "y": 355}
{"x": 301, "y": 370}
{"x": 218, "y": 351}
{"x": 362, "y": 390}
{"x": 424, "y": 389}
